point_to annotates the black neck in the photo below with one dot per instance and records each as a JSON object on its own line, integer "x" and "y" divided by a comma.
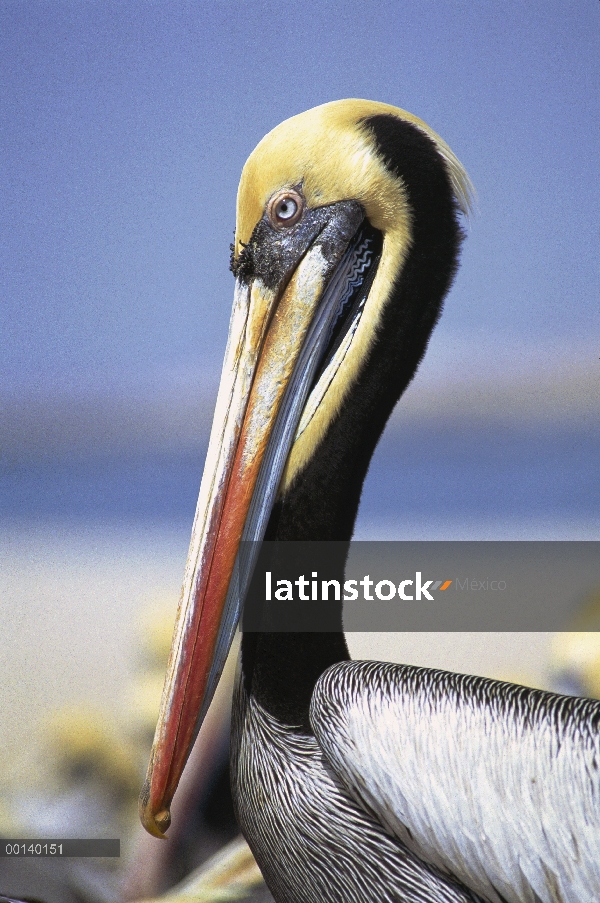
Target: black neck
{"x": 281, "y": 669}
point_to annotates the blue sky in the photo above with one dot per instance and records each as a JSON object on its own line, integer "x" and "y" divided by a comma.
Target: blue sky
{"x": 125, "y": 127}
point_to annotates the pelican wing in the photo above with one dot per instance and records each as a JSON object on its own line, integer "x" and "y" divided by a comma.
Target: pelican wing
{"x": 495, "y": 784}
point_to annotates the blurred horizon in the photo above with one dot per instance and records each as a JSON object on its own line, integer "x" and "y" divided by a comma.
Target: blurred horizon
{"x": 495, "y": 443}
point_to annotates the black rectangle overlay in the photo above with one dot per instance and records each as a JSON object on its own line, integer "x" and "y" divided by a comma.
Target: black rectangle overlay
{"x": 36, "y": 848}
{"x": 422, "y": 586}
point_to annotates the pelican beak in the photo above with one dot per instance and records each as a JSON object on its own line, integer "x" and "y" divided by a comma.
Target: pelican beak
{"x": 278, "y": 335}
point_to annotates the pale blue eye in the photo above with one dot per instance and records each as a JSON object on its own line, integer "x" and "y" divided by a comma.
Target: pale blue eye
{"x": 286, "y": 209}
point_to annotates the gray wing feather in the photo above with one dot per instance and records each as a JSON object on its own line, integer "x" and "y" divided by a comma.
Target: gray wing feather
{"x": 494, "y": 784}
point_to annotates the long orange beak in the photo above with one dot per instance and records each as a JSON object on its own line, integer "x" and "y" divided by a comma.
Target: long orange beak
{"x": 276, "y": 342}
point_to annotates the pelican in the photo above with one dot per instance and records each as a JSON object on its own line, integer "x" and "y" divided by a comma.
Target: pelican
{"x": 355, "y": 781}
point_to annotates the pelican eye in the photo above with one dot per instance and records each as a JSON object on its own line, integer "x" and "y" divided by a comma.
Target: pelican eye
{"x": 285, "y": 208}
